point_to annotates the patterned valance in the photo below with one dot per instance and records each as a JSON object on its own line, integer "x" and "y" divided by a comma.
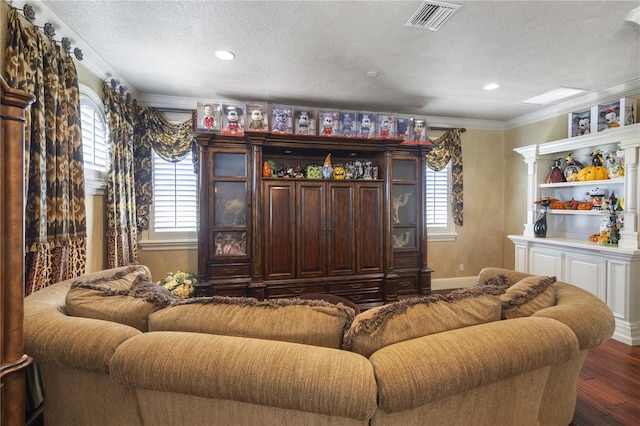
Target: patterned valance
{"x": 172, "y": 142}
{"x": 447, "y": 148}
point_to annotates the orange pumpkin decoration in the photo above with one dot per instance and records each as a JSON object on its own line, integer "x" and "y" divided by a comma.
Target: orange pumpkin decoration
{"x": 593, "y": 173}
{"x": 557, "y": 205}
{"x": 585, "y": 205}
{"x": 593, "y": 238}
{"x": 571, "y": 204}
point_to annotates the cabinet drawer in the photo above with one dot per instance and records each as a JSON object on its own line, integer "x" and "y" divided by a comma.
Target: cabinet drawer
{"x": 229, "y": 290}
{"x": 374, "y": 296}
{"x": 410, "y": 261}
{"x": 293, "y": 291}
{"x": 229, "y": 270}
{"x": 407, "y": 284}
{"x": 358, "y": 287}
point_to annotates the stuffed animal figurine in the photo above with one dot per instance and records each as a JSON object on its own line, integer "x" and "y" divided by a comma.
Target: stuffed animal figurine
{"x": 328, "y": 122}
{"x": 346, "y": 124}
{"x": 303, "y": 123}
{"x": 281, "y": 120}
{"x": 233, "y": 119}
{"x": 419, "y": 127}
{"x": 367, "y": 128}
{"x": 209, "y": 119}
{"x": 385, "y": 126}
{"x": 611, "y": 117}
{"x": 584, "y": 126}
{"x": 256, "y": 115}
{"x": 327, "y": 125}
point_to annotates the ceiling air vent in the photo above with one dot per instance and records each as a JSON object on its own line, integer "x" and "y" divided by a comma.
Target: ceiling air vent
{"x": 432, "y": 15}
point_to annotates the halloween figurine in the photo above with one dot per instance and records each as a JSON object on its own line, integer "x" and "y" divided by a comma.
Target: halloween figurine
{"x": 327, "y": 168}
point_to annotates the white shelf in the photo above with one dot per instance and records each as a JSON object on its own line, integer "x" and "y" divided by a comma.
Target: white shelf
{"x": 594, "y": 139}
{"x": 578, "y": 212}
{"x": 601, "y": 182}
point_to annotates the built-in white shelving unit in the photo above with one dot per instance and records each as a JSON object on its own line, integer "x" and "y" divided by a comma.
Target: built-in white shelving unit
{"x": 610, "y": 272}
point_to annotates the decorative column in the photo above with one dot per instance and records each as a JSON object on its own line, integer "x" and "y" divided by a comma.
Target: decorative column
{"x": 629, "y": 235}
{"x": 530, "y": 156}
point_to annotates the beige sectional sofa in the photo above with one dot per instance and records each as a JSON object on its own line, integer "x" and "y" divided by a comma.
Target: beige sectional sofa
{"x": 115, "y": 350}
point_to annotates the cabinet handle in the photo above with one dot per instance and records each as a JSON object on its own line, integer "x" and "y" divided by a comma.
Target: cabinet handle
{"x": 403, "y": 261}
{"x": 404, "y": 283}
{"x": 298, "y": 290}
{"x": 356, "y": 297}
{"x": 231, "y": 270}
{"x": 355, "y": 285}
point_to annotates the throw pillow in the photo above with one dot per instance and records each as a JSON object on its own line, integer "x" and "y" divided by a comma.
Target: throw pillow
{"x": 312, "y": 322}
{"x": 421, "y": 316}
{"x": 126, "y": 297}
{"x": 528, "y": 296}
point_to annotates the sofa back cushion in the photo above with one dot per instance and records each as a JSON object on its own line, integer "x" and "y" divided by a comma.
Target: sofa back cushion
{"x": 313, "y": 322}
{"x": 528, "y": 296}
{"x": 412, "y": 318}
{"x": 126, "y": 297}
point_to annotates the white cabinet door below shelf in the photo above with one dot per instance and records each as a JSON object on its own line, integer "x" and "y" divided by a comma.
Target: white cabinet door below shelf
{"x": 545, "y": 261}
{"x": 587, "y": 272}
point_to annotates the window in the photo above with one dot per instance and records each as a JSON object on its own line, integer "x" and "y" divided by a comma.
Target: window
{"x": 438, "y": 207}
{"x": 94, "y": 141}
{"x": 175, "y": 199}
{"x": 94, "y": 135}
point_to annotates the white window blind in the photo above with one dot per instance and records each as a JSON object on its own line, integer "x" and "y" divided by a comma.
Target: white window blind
{"x": 94, "y": 140}
{"x": 175, "y": 195}
{"x": 437, "y": 198}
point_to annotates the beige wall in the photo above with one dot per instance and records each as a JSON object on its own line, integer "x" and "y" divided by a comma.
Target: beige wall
{"x": 162, "y": 261}
{"x": 479, "y": 241}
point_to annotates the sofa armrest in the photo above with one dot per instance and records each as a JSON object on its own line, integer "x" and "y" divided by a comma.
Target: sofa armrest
{"x": 51, "y": 336}
{"x": 272, "y": 373}
{"x": 589, "y": 317}
{"x": 416, "y": 372}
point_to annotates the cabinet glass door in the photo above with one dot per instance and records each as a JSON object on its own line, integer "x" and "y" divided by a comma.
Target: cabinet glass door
{"x": 228, "y": 203}
{"x": 403, "y": 204}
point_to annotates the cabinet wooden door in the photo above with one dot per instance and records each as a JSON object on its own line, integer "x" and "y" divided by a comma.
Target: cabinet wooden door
{"x": 340, "y": 229}
{"x": 369, "y": 229}
{"x": 315, "y": 229}
{"x": 312, "y": 229}
{"x": 279, "y": 230}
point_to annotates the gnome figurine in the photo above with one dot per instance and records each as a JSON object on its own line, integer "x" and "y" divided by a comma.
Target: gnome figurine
{"x": 327, "y": 168}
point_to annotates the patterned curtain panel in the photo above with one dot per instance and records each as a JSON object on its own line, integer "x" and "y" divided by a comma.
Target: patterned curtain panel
{"x": 55, "y": 216}
{"x": 122, "y": 236}
{"x": 170, "y": 141}
{"x": 447, "y": 148}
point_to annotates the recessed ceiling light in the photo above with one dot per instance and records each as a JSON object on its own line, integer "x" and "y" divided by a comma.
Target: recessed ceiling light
{"x": 372, "y": 74}
{"x": 224, "y": 55}
{"x": 491, "y": 86}
{"x": 553, "y": 96}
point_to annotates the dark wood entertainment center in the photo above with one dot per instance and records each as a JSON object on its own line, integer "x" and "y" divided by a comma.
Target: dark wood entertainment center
{"x": 270, "y": 237}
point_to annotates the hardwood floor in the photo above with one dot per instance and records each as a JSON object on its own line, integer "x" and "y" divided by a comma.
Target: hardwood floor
{"x": 609, "y": 386}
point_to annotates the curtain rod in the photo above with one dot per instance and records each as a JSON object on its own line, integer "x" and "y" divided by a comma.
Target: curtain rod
{"x": 175, "y": 110}
{"x": 49, "y": 30}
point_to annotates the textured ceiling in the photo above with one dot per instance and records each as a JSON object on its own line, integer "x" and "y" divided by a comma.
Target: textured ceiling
{"x": 317, "y": 53}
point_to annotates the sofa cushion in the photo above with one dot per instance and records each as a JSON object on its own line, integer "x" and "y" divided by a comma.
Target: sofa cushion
{"x": 126, "y": 297}
{"x": 313, "y": 322}
{"x": 528, "y": 296}
{"x": 422, "y": 316}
